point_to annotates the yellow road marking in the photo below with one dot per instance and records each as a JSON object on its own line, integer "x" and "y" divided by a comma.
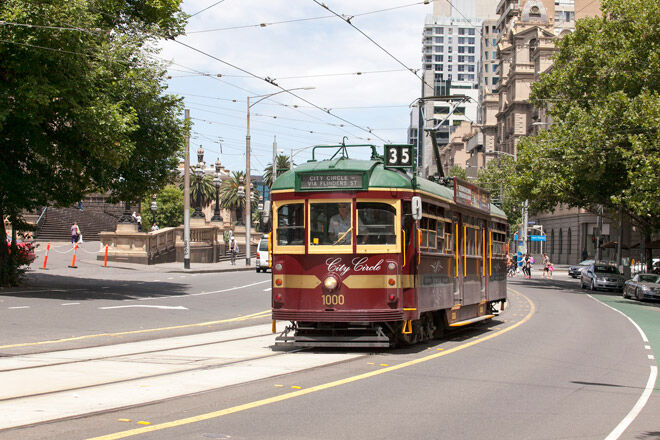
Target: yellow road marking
{"x": 135, "y": 332}
{"x": 303, "y": 392}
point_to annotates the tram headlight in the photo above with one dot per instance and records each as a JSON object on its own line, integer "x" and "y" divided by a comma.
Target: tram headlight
{"x": 330, "y": 283}
{"x": 391, "y": 266}
{"x": 278, "y": 267}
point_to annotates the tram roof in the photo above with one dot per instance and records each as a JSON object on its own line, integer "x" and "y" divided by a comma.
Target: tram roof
{"x": 378, "y": 177}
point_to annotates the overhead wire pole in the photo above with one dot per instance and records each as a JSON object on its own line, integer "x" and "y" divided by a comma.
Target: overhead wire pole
{"x": 186, "y": 200}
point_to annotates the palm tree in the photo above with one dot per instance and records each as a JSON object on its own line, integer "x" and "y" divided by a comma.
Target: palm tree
{"x": 283, "y": 164}
{"x": 230, "y": 198}
{"x": 205, "y": 187}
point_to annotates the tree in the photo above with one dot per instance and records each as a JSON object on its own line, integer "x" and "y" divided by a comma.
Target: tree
{"x": 283, "y": 164}
{"x": 496, "y": 178}
{"x": 97, "y": 118}
{"x": 230, "y": 197}
{"x": 170, "y": 208}
{"x": 205, "y": 188}
{"x": 603, "y": 94}
{"x": 457, "y": 171}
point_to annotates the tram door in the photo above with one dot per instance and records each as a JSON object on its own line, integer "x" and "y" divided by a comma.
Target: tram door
{"x": 458, "y": 258}
{"x": 483, "y": 251}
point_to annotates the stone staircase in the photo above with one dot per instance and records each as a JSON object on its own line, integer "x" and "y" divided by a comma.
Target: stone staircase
{"x": 56, "y": 224}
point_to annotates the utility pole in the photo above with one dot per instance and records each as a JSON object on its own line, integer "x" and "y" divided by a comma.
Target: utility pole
{"x": 274, "y": 172}
{"x": 248, "y": 204}
{"x": 522, "y": 245}
{"x": 599, "y": 225}
{"x": 186, "y": 200}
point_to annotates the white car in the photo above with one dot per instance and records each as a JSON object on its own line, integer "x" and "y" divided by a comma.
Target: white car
{"x": 263, "y": 260}
{"x": 601, "y": 276}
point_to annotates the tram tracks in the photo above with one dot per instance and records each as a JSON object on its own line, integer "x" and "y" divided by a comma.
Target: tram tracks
{"x": 59, "y": 385}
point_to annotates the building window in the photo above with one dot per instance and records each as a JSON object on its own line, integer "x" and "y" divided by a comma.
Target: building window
{"x": 486, "y": 80}
{"x": 439, "y": 40}
{"x": 470, "y": 40}
{"x": 471, "y": 31}
{"x": 461, "y": 40}
{"x": 461, "y": 49}
{"x": 438, "y": 67}
{"x": 486, "y": 54}
{"x": 462, "y": 31}
{"x": 495, "y": 80}
{"x": 561, "y": 236}
{"x": 569, "y": 244}
{"x": 439, "y": 30}
{"x": 449, "y": 58}
{"x": 470, "y": 49}
{"x": 461, "y": 68}
{"x": 470, "y": 59}
{"x": 461, "y": 58}
{"x": 470, "y": 68}
{"x": 438, "y": 58}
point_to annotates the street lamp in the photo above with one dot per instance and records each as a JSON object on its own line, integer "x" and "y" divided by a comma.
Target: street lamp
{"x": 154, "y": 209}
{"x": 217, "y": 182}
{"x": 248, "y": 219}
{"x": 199, "y": 173}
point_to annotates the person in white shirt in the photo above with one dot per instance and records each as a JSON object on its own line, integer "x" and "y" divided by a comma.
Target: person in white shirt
{"x": 340, "y": 225}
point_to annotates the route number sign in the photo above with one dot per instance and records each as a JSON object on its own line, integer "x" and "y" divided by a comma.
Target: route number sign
{"x": 399, "y": 156}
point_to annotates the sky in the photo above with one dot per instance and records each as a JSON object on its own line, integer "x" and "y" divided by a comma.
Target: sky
{"x": 322, "y": 55}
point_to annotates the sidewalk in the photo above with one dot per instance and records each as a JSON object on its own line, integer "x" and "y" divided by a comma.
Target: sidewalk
{"x": 60, "y": 258}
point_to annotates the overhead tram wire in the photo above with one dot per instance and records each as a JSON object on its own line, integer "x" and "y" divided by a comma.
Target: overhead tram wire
{"x": 272, "y": 82}
{"x": 263, "y": 25}
{"x": 251, "y": 92}
{"x": 348, "y": 21}
{"x": 205, "y": 9}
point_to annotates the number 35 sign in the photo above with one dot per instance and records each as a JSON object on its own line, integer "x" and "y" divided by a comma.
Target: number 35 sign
{"x": 399, "y": 155}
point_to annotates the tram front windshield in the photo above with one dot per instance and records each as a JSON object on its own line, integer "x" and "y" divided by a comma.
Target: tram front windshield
{"x": 331, "y": 224}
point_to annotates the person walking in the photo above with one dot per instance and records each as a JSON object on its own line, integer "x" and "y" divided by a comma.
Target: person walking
{"x": 75, "y": 233}
{"x": 546, "y": 267}
{"x": 527, "y": 266}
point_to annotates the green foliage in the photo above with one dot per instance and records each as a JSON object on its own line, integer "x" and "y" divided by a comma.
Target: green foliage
{"x": 204, "y": 187}
{"x": 82, "y": 105}
{"x": 283, "y": 164}
{"x": 603, "y": 94}
{"x": 170, "y": 208}
{"x": 457, "y": 171}
{"x": 496, "y": 177}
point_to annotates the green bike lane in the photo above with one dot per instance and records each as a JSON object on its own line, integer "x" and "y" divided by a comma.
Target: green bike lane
{"x": 645, "y": 314}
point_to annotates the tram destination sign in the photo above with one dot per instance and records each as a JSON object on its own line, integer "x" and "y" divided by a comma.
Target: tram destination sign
{"x": 468, "y": 194}
{"x": 330, "y": 181}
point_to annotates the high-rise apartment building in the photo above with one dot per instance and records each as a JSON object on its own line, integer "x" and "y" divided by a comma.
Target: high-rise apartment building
{"x": 451, "y": 64}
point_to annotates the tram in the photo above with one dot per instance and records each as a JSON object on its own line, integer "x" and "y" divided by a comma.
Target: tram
{"x": 367, "y": 254}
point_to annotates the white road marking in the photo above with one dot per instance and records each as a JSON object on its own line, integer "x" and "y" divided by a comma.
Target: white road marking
{"x": 651, "y": 356}
{"x": 643, "y": 399}
{"x": 268, "y": 289}
{"x": 648, "y": 347}
{"x": 152, "y": 307}
{"x": 21, "y": 307}
{"x": 69, "y": 304}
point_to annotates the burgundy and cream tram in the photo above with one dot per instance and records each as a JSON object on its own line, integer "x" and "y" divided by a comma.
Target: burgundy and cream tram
{"x": 365, "y": 254}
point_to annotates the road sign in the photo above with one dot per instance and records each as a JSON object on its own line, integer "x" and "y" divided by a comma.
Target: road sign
{"x": 537, "y": 238}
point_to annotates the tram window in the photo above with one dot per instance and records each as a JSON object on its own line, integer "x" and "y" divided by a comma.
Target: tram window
{"x": 449, "y": 238}
{"x": 331, "y": 224}
{"x": 440, "y": 236}
{"x": 376, "y": 223}
{"x": 428, "y": 227}
{"x": 291, "y": 225}
{"x": 407, "y": 222}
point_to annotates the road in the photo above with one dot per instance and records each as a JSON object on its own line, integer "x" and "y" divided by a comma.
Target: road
{"x": 557, "y": 363}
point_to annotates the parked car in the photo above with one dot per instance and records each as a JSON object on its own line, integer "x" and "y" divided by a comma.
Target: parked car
{"x": 263, "y": 262}
{"x": 643, "y": 286}
{"x": 601, "y": 276}
{"x": 25, "y": 252}
{"x": 576, "y": 269}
